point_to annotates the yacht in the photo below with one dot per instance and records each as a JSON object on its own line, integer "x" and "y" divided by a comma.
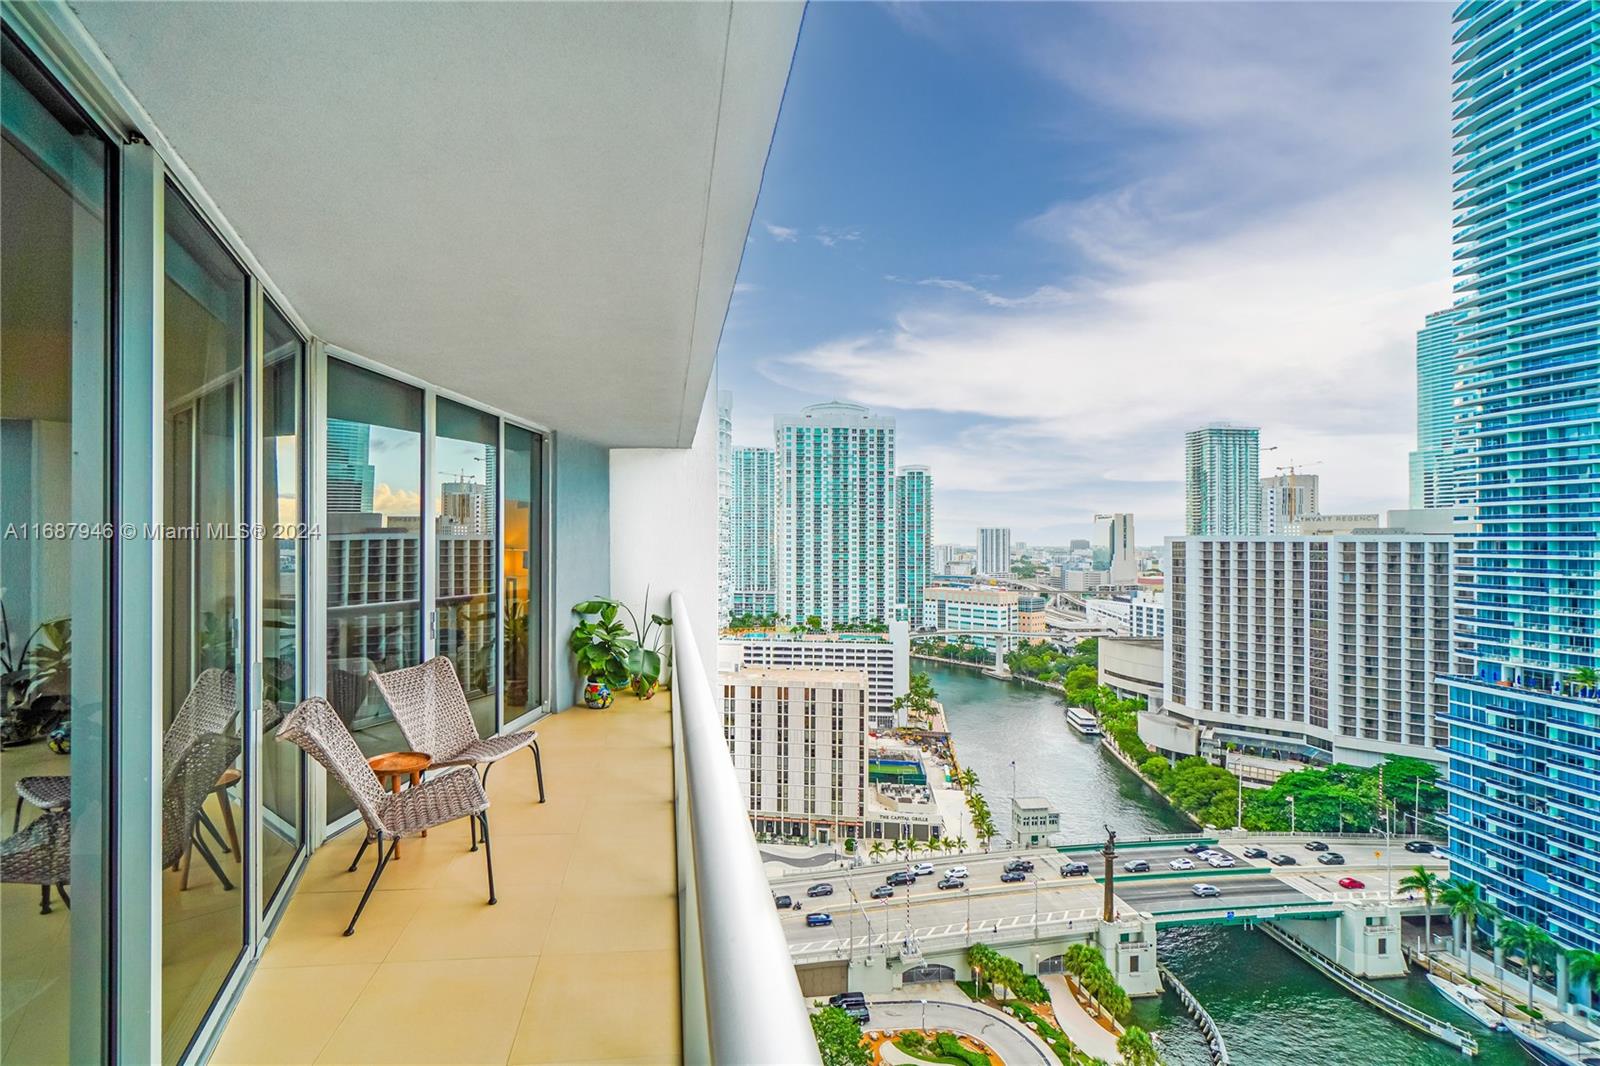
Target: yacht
{"x": 1083, "y": 721}
{"x": 1470, "y": 1000}
{"x": 1556, "y": 1043}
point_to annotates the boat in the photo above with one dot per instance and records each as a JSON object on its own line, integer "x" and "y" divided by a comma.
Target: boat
{"x": 1470, "y": 1000}
{"x": 1554, "y": 1044}
{"x": 1084, "y": 721}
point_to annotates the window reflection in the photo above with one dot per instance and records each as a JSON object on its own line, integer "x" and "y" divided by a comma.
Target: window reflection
{"x": 524, "y": 473}
{"x": 466, "y": 512}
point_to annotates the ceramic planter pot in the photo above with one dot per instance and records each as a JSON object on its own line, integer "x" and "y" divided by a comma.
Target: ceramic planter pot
{"x": 597, "y": 694}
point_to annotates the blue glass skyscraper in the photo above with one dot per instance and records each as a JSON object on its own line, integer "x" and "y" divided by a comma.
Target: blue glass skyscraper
{"x": 1524, "y": 751}
{"x": 1435, "y": 465}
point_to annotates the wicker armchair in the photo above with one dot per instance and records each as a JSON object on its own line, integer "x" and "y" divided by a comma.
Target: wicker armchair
{"x": 317, "y": 728}
{"x": 432, "y": 710}
{"x": 40, "y": 855}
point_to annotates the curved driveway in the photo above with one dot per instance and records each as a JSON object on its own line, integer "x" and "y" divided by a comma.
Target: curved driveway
{"x": 1015, "y": 1043}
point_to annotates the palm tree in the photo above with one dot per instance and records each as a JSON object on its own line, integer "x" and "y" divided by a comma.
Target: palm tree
{"x": 900, "y": 846}
{"x": 1465, "y": 900}
{"x": 1536, "y": 945}
{"x": 958, "y": 844}
{"x": 1136, "y": 1048}
{"x": 1582, "y": 969}
{"x": 876, "y": 851}
{"x": 1423, "y": 880}
{"x": 1584, "y": 677}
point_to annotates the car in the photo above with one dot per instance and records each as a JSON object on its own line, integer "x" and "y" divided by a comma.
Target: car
{"x": 1351, "y": 882}
{"x": 901, "y": 877}
{"x": 1420, "y": 847}
{"x": 1316, "y": 845}
{"x": 783, "y": 902}
{"x": 1074, "y": 869}
{"x": 1013, "y": 876}
{"x": 951, "y": 882}
{"x": 1331, "y": 858}
{"x": 1207, "y": 855}
{"x": 1282, "y": 860}
{"x": 1194, "y": 849}
{"x": 882, "y": 891}
{"x": 1024, "y": 865}
{"x": 1221, "y": 862}
{"x": 922, "y": 869}
{"x": 1182, "y": 864}
{"x": 824, "y": 889}
{"x": 1205, "y": 891}
{"x": 819, "y": 918}
{"x": 1136, "y": 866}
{"x": 1254, "y": 852}
{"x": 956, "y": 871}
{"x": 853, "y": 1004}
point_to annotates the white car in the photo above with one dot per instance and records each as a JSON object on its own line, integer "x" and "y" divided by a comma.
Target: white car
{"x": 1205, "y": 891}
{"x": 1221, "y": 861}
{"x": 1184, "y": 863}
{"x": 957, "y": 872}
{"x": 922, "y": 869}
{"x": 1208, "y": 855}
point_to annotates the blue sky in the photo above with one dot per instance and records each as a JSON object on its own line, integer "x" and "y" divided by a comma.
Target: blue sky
{"x": 1048, "y": 238}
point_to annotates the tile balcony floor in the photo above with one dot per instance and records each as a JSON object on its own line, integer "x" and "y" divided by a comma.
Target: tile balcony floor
{"x": 578, "y": 962}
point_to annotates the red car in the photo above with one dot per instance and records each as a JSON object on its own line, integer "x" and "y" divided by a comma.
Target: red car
{"x": 1351, "y": 882}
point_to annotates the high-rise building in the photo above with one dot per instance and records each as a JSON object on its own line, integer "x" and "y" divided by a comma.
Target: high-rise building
{"x": 913, "y": 498}
{"x": 884, "y": 657}
{"x": 1222, "y": 481}
{"x": 725, "y": 563}
{"x": 970, "y": 613}
{"x": 836, "y": 514}
{"x": 943, "y": 556}
{"x": 994, "y": 551}
{"x": 1287, "y": 498}
{"x": 1331, "y": 642}
{"x": 1114, "y": 550}
{"x": 753, "y": 534}
{"x": 350, "y": 471}
{"x": 1522, "y": 775}
{"x": 1436, "y": 463}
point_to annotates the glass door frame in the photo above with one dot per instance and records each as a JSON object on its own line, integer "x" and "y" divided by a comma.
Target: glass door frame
{"x": 317, "y": 601}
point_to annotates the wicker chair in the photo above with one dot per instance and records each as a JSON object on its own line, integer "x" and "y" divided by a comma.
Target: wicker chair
{"x": 40, "y": 855}
{"x": 190, "y": 778}
{"x": 317, "y": 728}
{"x": 433, "y": 714}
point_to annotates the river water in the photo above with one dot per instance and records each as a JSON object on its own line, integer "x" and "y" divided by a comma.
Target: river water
{"x": 1272, "y": 1008}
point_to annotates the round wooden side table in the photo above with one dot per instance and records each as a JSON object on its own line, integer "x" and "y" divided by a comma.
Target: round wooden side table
{"x": 395, "y": 767}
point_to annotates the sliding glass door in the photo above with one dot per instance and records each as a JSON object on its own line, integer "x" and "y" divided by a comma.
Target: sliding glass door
{"x": 466, "y": 514}
{"x": 523, "y": 571}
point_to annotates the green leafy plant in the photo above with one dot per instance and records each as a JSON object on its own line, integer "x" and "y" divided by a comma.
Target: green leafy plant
{"x": 600, "y": 643}
{"x": 839, "y": 1040}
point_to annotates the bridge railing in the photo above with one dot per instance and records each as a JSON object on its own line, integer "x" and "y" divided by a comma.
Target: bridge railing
{"x": 1202, "y": 1018}
{"x": 740, "y": 998}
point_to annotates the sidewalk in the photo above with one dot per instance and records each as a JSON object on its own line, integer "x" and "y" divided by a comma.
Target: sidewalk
{"x": 1085, "y": 1033}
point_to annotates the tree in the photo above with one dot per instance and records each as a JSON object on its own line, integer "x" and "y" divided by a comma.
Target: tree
{"x": 876, "y": 851}
{"x": 1423, "y": 880}
{"x": 1584, "y": 678}
{"x": 1529, "y": 941}
{"x": 1465, "y": 900}
{"x": 1583, "y": 967}
{"x": 1136, "y": 1048}
{"x": 839, "y": 1039}
{"x": 918, "y": 698}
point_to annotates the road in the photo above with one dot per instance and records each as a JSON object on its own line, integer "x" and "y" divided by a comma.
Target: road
{"x": 1014, "y": 1043}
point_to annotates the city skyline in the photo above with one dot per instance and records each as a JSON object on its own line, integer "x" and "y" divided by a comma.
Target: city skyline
{"x": 1129, "y": 301}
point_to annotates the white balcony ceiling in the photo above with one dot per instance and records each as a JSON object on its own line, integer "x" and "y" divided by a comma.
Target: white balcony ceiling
{"x": 539, "y": 205}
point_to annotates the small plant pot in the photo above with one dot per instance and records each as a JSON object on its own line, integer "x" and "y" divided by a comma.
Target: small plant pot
{"x": 597, "y": 694}
{"x": 643, "y": 688}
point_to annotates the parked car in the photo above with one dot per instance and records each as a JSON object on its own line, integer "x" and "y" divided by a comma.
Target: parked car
{"x": 956, "y": 872}
{"x": 1316, "y": 845}
{"x": 1331, "y": 858}
{"x": 1221, "y": 862}
{"x": 922, "y": 869}
{"x": 1282, "y": 860}
{"x": 1205, "y": 891}
{"x": 783, "y": 902}
{"x": 1254, "y": 852}
{"x": 1013, "y": 876}
{"x": 1182, "y": 864}
{"x": 901, "y": 877}
{"x": 1421, "y": 847}
{"x": 1194, "y": 849}
{"x": 819, "y": 918}
{"x": 823, "y": 889}
{"x": 1351, "y": 882}
{"x": 1074, "y": 869}
{"x": 1024, "y": 865}
{"x": 853, "y": 1004}
{"x": 882, "y": 891}
{"x": 951, "y": 882}
{"x": 1136, "y": 866}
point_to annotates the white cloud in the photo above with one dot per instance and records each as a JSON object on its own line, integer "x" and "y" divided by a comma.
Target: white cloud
{"x": 830, "y": 236}
{"x": 782, "y": 233}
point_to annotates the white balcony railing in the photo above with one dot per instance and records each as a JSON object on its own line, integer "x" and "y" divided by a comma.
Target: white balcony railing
{"x": 740, "y": 998}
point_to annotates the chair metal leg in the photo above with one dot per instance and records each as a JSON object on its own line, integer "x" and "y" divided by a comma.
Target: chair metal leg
{"x": 211, "y": 861}
{"x": 44, "y": 899}
{"x": 538, "y": 769}
{"x": 359, "y": 852}
{"x": 211, "y": 827}
{"x": 16, "y": 822}
{"x": 62, "y": 888}
{"x": 383, "y": 860}
{"x": 488, "y": 859}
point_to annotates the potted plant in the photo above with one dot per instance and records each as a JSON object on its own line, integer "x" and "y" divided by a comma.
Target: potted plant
{"x": 645, "y": 660}
{"x": 601, "y": 645}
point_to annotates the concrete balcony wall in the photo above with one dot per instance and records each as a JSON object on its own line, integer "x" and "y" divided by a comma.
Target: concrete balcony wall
{"x": 582, "y": 525}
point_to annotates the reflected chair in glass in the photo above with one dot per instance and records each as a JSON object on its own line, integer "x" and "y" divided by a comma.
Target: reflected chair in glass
{"x": 317, "y": 729}
{"x": 193, "y": 776}
{"x": 40, "y": 855}
{"x": 428, "y": 702}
